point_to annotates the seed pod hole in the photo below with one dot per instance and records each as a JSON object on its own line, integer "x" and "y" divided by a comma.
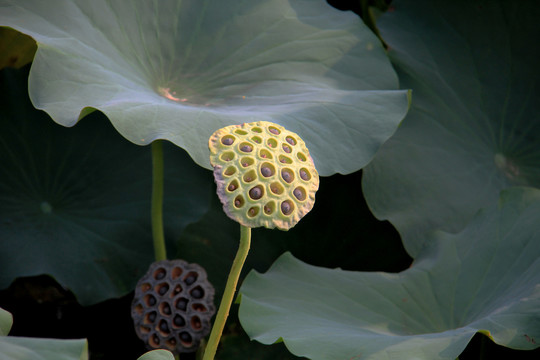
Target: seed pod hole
{"x": 227, "y": 156}
{"x": 274, "y": 130}
{"x": 160, "y": 273}
{"x": 139, "y": 309}
{"x": 304, "y": 174}
{"x": 285, "y": 159}
{"x": 301, "y": 157}
{"x": 238, "y": 201}
{"x": 199, "y": 308}
{"x": 196, "y": 323}
{"x": 272, "y": 143}
{"x": 256, "y": 192}
{"x": 267, "y": 169}
{"x": 145, "y": 287}
{"x": 162, "y": 288}
{"x": 257, "y": 130}
{"x": 165, "y": 309}
{"x": 176, "y": 273}
{"x": 300, "y": 193}
{"x": 149, "y": 300}
{"x": 150, "y": 317}
{"x": 287, "y": 207}
{"x": 179, "y": 321}
{"x": 154, "y": 341}
{"x": 145, "y": 329}
{"x": 181, "y": 304}
{"x": 253, "y": 211}
{"x": 240, "y": 132}
{"x": 276, "y": 188}
{"x": 190, "y": 278}
{"x": 246, "y": 161}
{"x": 233, "y": 185}
{"x": 185, "y": 338}
{"x": 230, "y": 170}
{"x": 265, "y": 154}
{"x": 227, "y": 140}
{"x": 291, "y": 140}
{"x": 256, "y": 139}
{"x": 269, "y": 208}
{"x": 249, "y": 176}
{"x": 171, "y": 344}
{"x": 164, "y": 328}
{"x": 287, "y": 175}
{"x": 286, "y": 148}
{"x": 177, "y": 290}
{"x": 245, "y": 147}
{"x": 197, "y": 293}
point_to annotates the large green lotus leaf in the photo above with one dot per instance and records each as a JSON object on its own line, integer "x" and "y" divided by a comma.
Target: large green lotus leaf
{"x": 23, "y": 348}
{"x": 485, "y": 278}
{"x": 157, "y": 355}
{"x": 179, "y": 70}
{"x": 473, "y": 128}
{"x": 6, "y": 320}
{"x": 75, "y": 203}
{"x": 16, "y": 49}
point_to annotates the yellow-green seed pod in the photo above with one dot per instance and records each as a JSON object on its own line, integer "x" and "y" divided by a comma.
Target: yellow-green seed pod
{"x": 264, "y": 174}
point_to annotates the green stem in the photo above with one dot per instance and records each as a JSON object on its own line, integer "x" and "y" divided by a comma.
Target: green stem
{"x": 157, "y": 201}
{"x": 228, "y": 295}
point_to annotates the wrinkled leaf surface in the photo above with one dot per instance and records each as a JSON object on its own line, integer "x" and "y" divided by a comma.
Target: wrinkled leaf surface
{"x": 485, "y": 278}
{"x": 179, "y": 70}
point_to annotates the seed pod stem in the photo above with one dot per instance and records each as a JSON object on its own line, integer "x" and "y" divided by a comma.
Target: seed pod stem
{"x": 157, "y": 201}
{"x": 228, "y": 295}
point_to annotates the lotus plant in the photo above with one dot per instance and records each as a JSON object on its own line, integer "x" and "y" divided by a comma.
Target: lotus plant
{"x": 265, "y": 177}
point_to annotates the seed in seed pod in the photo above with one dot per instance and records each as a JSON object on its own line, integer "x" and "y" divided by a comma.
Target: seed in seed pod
{"x": 227, "y": 140}
{"x": 256, "y": 193}
{"x": 231, "y": 187}
{"x": 163, "y": 326}
{"x": 152, "y": 316}
{"x": 287, "y": 175}
{"x": 286, "y": 207}
{"x": 197, "y": 293}
{"x": 155, "y": 338}
{"x": 267, "y": 209}
{"x": 299, "y": 194}
{"x": 290, "y": 140}
{"x": 159, "y": 274}
{"x": 304, "y": 174}
{"x": 185, "y": 337}
{"x": 286, "y": 148}
{"x": 266, "y": 171}
{"x": 273, "y": 131}
{"x": 166, "y": 309}
{"x": 150, "y": 300}
{"x": 179, "y": 321}
{"x": 181, "y": 304}
{"x": 163, "y": 289}
{"x": 190, "y": 279}
{"x": 246, "y": 148}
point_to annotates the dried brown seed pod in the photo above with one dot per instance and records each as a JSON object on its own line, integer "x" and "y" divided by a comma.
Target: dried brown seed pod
{"x": 173, "y": 306}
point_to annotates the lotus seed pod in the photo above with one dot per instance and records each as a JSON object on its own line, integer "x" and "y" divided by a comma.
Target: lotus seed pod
{"x": 264, "y": 174}
{"x": 173, "y": 305}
